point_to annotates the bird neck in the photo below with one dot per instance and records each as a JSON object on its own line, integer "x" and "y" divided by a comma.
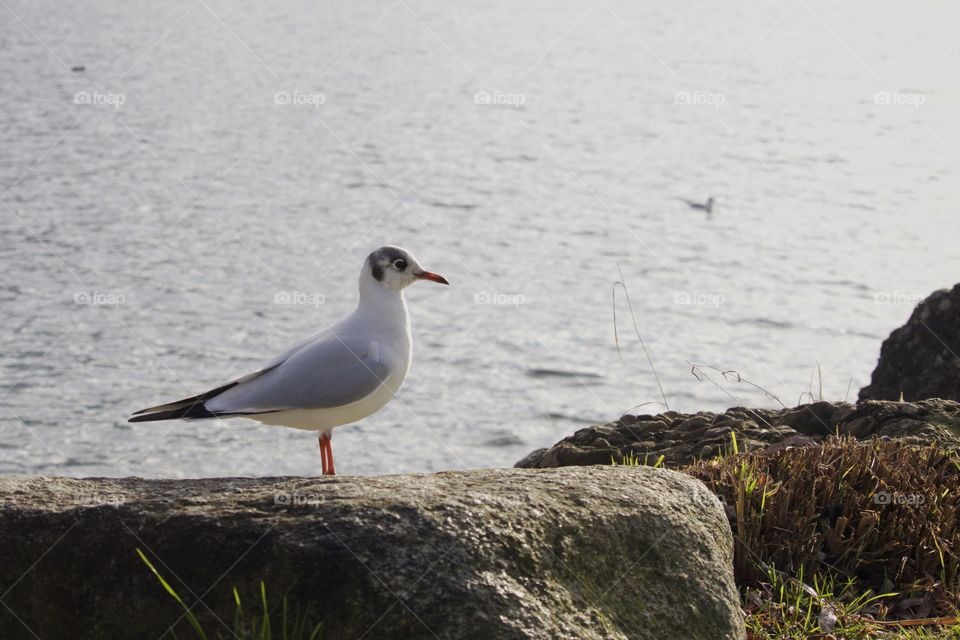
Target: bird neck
{"x": 379, "y": 301}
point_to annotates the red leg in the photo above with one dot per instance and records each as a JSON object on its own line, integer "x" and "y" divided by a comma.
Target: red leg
{"x": 323, "y": 454}
{"x": 326, "y": 455}
{"x": 332, "y": 471}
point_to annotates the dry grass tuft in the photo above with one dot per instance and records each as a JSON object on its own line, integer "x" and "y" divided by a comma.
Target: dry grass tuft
{"x": 882, "y": 517}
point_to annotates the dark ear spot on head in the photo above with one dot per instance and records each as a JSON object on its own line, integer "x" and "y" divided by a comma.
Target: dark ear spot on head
{"x": 375, "y": 268}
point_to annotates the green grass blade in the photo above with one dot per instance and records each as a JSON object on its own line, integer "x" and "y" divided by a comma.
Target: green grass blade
{"x": 192, "y": 619}
{"x": 265, "y": 631}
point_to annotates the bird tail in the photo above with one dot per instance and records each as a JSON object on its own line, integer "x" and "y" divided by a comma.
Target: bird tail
{"x": 191, "y": 408}
{"x": 188, "y": 409}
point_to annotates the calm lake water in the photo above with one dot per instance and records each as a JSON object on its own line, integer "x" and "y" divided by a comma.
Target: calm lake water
{"x": 203, "y": 193}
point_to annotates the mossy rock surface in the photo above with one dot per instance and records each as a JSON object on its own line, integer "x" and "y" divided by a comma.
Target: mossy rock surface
{"x": 602, "y": 552}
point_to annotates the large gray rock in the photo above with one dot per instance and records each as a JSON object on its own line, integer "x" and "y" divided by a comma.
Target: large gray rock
{"x": 605, "y": 552}
{"x": 684, "y": 438}
{"x": 920, "y": 359}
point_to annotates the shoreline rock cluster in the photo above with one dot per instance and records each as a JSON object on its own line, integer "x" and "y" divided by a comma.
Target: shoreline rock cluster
{"x": 684, "y": 438}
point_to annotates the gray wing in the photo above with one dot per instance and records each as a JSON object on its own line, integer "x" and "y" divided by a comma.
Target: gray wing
{"x": 330, "y": 371}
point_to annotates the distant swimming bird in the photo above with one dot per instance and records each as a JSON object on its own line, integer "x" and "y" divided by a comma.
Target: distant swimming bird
{"x": 335, "y": 377}
{"x": 708, "y": 206}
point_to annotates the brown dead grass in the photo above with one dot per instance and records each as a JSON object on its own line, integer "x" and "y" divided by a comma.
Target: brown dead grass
{"x": 882, "y": 514}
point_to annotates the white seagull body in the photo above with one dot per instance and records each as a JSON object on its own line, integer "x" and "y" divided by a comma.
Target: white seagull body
{"x": 338, "y": 376}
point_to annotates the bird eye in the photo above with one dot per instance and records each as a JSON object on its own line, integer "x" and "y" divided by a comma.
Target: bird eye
{"x": 400, "y": 264}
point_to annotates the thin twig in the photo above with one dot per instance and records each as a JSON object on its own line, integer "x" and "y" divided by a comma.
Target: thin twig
{"x": 643, "y": 404}
{"x": 636, "y": 329}
{"x": 697, "y": 371}
{"x": 733, "y": 376}
{"x": 820, "y": 383}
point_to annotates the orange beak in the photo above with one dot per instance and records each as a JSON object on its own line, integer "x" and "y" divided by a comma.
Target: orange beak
{"x": 435, "y": 277}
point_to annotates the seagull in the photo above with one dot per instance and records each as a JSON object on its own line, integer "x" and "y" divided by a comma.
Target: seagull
{"x": 335, "y": 377}
{"x": 708, "y": 207}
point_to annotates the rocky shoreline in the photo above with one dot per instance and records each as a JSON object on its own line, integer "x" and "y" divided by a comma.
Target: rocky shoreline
{"x": 610, "y": 553}
{"x": 593, "y": 550}
{"x": 685, "y": 438}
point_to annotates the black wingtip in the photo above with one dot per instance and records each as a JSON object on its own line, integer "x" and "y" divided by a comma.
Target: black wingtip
{"x": 189, "y": 412}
